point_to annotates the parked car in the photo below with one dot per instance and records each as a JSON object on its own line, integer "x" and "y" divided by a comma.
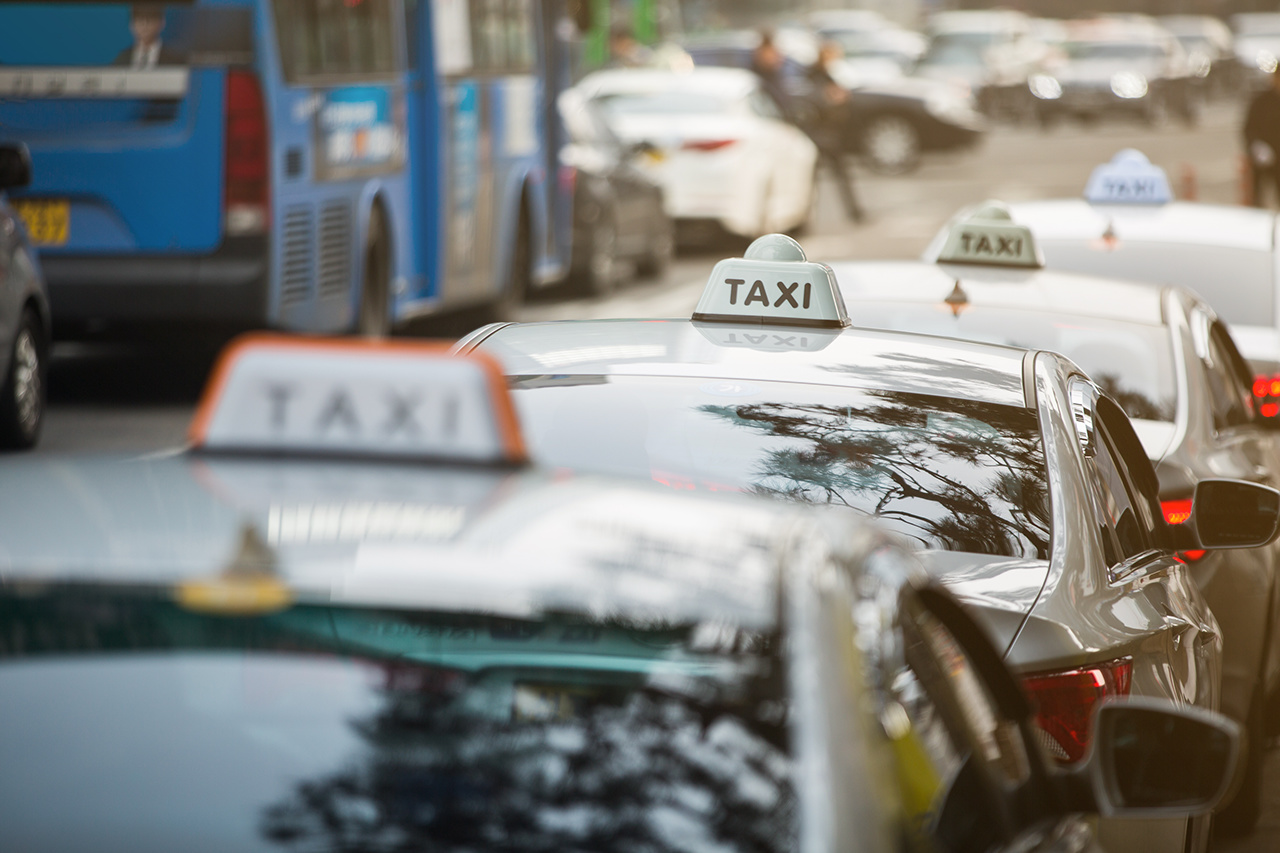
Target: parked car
{"x": 619, "y": 216}
{"x": 24, "y": 316}
{"x": 1210, "y": 49}
{"x": 722, "y": 151}
{"x": 990, "y": 54}
{"x": 1257, "y": 46}
{"x": 892, "y": 122}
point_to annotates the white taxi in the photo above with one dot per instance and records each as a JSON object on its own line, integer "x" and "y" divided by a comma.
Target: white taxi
{"x": 1163, "y": 354}
{"x": 351, "y": 617}
{"x": 1128, "y": 225}
{"x": 1022, "y": 481}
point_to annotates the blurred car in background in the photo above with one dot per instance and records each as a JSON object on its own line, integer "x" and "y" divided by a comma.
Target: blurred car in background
{"x": 892, "y": 122}
{"x": 1166, "y": 358}
{"x": 24, "y": 316}
{"x": 1257, "y": 46}
{"x": 988, "y": 54}
{"x": 873, "y": 53}
{"x": 619, "y": 217}
{"x": 1210, "y": 50}
{"x": 722, "y": 150}
{"x": 324, "y": 651}
{"x": 1118, "y": 67}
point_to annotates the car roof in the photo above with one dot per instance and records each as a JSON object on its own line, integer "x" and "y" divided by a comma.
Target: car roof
{"x": 729, "y": 81}
{"x": 1038, "y": 290}
{"x": 511, "y": 543}
{"x": 1180, "y": 222}
{"x": 857, "y": 358}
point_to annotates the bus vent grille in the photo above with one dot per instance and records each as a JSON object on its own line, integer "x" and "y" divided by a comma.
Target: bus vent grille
{"x": 296, "y": 254}
{"x": 335, "y": 248}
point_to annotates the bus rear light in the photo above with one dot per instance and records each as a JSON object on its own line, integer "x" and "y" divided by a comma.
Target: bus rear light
{"x": 1064, "y": 703}
{"x": 1177, "y": 512}
{"x": 707, "y": 144}
{"x": 247, "y": 178}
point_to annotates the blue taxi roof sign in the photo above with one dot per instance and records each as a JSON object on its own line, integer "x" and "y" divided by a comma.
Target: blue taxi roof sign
{"x": 366, "y": 399}
{"x": 986, "y": 235}
{"x": 773, "y": 284}
{"x": 1129, "y": 178}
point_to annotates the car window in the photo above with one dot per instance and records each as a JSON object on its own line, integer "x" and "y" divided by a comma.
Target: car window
{"x": 1228, "y": 381}
{"x": 952, "y": 474}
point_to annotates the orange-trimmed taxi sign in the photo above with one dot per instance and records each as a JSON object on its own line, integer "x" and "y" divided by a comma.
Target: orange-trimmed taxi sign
{"x": 986, "y": 235}
{"x": 362, "y": 399}
{"x": 1130, "y": 178}
{"x": 773, "y": 284}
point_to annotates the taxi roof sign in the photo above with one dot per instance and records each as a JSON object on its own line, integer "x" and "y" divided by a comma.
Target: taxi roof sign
{"x": 363, "y": 399}
{"x": 1130, "y": 178}
{"x": 773, "y": 284}
{"x": 986, "y": 235}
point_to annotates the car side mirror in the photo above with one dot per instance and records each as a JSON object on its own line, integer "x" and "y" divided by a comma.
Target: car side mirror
{"x": 1235, "y": 514}
{"x": 1151, "y": 759}
{"x": 15, "y": 166}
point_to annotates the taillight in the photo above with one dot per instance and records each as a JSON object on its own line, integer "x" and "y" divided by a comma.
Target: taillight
{"x": 1064, "y": 703}
{"x": 247, "y": 180}
{"x": 707, "y": 144}
{"x": 1177, "y": 512}
{"x": 1266, "y": 390}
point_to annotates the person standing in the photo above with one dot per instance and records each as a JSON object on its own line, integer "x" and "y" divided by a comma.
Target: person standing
{"x": 1262, "y": 139}
{"x": 625, "y": 51}
{"x": 831, "y": 130}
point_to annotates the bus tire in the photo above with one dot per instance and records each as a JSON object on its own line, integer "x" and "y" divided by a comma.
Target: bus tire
{"x": 374, "y": 318}
{"x": 22, "y": 397}
{"x": 519, "y": 271}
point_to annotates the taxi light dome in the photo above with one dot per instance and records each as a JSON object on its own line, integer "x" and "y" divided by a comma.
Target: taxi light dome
{"x": 773, "y": 284}
{"x": 1130, "y": 178}
{"x": 986, "y": 235}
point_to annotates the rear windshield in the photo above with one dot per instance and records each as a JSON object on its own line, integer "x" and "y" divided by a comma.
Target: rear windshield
{"x": 1132, "y": 362}
{"x": 951, "y": 474}
{"x": 132, "y": 724}
{"x": 1238, "y": 283}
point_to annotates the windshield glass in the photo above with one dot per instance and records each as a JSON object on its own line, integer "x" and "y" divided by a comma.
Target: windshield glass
{"x": 951, "y": 474}
{"x": 130, "y": 723}
{"x": 958, "y": 49}
{"x": 1132, "y": 362}
{"x": 1113, "y": 50}
{"x": 1238, "y": 283}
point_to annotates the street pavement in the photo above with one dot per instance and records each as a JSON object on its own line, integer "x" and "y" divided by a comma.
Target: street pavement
{"x": 140, "y": 399}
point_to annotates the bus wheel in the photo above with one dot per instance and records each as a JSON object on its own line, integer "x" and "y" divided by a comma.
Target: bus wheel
{"x": 22, "y": 396}
{"x": 519, "y": 273}
{"x": 374, "y": 320}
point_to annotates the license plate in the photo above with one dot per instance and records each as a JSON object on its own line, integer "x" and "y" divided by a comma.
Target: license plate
{"x": 48, "y": 221}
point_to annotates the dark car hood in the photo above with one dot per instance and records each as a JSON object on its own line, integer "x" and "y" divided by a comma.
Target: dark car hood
{"x": 1102, "y": 70}
{"x": 999, "y": 591}
{"x": 910, "y": 88}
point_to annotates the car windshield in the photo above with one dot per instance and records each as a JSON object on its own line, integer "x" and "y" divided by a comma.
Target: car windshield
{"x": 1238, "y": 283}
{"x": 1125, "y": 51}
{"x": 1133, "y": 362}
{"x": 132, "y": 723}
{"x": 662, "y": 103}
{"x": 952, "y": 474}
{"x": 958, "y": 49}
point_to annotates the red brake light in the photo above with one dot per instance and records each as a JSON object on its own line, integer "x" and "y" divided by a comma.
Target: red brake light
{"x": 707, "y": 144}
{"x": 1261, "y": 385}
{"x": 1177, "y": 512}
{"x": 1064, "y": 703}
{"x": 247, "y": 180}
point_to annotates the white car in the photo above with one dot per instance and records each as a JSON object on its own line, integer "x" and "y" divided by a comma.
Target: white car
{"x": 721, "y": 148}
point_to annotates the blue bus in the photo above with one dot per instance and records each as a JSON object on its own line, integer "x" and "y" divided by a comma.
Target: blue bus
{"x": 312, "y": 165}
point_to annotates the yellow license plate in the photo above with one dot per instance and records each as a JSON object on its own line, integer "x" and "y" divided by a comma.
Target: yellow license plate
{"x": 48, "y": 221}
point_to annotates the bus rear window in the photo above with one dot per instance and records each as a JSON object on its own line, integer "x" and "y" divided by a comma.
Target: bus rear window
{"x": 336, "y": 37}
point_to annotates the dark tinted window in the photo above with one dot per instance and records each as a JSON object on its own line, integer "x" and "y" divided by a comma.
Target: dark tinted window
{"x": 130, "y": 723}
{"x": 336, "y": 37}
{"x": 952, "y": 474}
{"x": 1228, "y": 381}
{"x": 1132, "y": 362}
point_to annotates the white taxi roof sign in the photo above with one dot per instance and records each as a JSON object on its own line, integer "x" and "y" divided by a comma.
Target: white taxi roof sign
{"x": 986, "y": 235}
{"x": 362, "y": 399}
{"x": 773, "y": 284}
{"x": 1130, "y": 178}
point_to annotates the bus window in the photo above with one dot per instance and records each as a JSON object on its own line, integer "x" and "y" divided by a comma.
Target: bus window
{"x": 503, "y": 35}
{"x": 335, "y": 37}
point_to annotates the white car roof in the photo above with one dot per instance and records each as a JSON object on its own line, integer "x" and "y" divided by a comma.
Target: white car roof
{"x": 1035, "y": 290}
{"x": 1177, "y": 222}
{"x": 732, "y": 82}
{"x": 978, "y": 20}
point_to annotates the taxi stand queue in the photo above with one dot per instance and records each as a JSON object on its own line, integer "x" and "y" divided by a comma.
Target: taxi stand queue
{"x": 838, "y": 689}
